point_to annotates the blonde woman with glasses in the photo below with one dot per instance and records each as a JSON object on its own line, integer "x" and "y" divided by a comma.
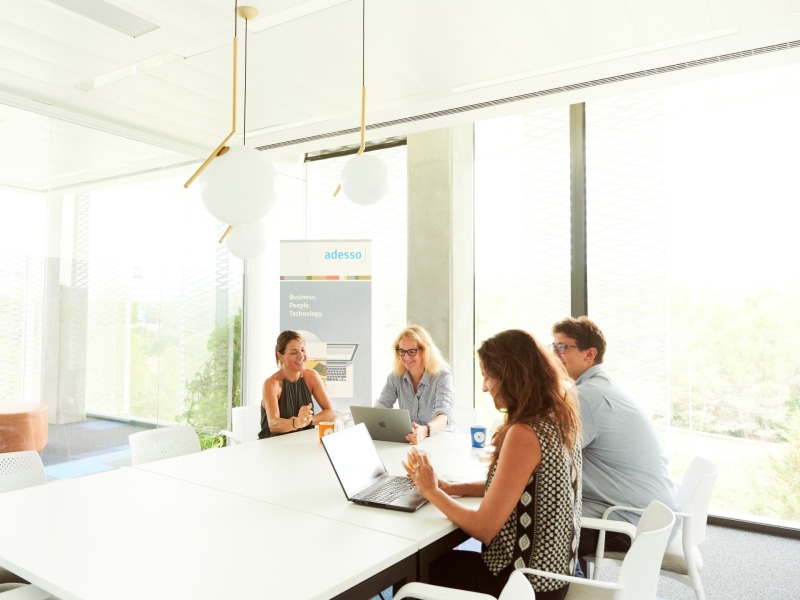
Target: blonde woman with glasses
{"x": 420, "y": 383}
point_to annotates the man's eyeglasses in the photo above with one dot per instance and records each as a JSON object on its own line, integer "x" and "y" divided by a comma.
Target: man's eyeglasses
{"x": 412, "y": 353}
{"x": 561, "y": 348}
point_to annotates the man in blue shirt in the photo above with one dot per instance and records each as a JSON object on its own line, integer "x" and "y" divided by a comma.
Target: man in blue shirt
{"x": 623, "y": 462}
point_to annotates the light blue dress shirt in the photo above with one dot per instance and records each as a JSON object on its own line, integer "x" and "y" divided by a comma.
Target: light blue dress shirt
{"x": 623, "y": 463}
{"x": 434, "y": 396}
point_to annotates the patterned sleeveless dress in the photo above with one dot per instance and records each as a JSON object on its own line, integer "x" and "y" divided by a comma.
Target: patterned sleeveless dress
{"x": 542, "y": 531}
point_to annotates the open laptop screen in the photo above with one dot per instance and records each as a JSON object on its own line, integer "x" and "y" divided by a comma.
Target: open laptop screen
{"x": 354, "y": 458}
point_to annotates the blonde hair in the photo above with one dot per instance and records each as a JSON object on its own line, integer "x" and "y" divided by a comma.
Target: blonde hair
{"x": 431, "y": 357}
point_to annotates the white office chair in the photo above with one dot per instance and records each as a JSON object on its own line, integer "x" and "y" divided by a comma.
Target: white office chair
{"x": 245, "y": 424}
{"x": 166, "y": 442}
{"x": 517, "y": 588}
{"x": 638, "y": 574}
{"x": 682, "y": 559}
{"x": 20, "y": 470}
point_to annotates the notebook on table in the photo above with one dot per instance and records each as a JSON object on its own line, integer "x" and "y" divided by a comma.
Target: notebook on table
{"x": 384, "y": 424}
{"x": 362, "y": 475}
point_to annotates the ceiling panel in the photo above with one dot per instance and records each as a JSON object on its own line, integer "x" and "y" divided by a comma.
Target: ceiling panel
{"x": 304, "y": 59}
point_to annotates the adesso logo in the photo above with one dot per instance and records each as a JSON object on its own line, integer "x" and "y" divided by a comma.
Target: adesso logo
{"x": 344, "y": 255}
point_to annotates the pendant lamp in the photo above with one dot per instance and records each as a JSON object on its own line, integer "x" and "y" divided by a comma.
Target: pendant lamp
{"x": 365, "y": 178}
{"x": 237, "y": 183}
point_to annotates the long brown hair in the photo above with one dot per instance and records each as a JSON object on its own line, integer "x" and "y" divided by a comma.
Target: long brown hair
{"x": 532, "y": 384}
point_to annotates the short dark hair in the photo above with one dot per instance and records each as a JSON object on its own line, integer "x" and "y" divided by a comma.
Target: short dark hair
{"x": 585, "y": 333}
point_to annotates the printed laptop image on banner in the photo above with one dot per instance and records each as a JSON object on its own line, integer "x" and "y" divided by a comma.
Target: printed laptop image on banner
{"x": 339, "y": 370}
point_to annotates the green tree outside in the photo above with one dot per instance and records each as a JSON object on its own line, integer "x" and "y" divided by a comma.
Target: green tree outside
{"x": 217, "y": 381}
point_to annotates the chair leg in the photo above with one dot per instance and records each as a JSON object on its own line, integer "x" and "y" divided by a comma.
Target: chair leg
{"x": 698, "y": 590}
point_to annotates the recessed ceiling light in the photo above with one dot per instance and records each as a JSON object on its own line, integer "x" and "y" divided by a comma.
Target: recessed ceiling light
{"x": 129, "y": 70}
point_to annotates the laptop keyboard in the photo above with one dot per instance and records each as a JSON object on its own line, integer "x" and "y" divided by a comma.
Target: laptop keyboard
{"x": 391, "y": 490}
{"x": 336, "y": 372}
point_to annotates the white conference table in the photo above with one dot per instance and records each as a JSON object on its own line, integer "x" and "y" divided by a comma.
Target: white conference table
{"x": 293, "y": 471}
{"x": 131, "y": 534}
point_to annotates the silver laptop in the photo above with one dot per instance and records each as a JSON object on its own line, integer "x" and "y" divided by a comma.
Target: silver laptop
{"x": 384, "y": 424}
{"x": 362, "y": 475}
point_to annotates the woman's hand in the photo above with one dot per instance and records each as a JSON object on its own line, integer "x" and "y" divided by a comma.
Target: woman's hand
{"x": 418, "y": 433}
{"x": 305, "y": 417}
{"x": 419, "y": 469}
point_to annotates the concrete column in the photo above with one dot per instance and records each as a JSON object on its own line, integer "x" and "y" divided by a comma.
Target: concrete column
{"x": 440, "y": 242}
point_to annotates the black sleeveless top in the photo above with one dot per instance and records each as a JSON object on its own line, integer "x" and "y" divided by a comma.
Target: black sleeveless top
{"x": 294, "y": 395}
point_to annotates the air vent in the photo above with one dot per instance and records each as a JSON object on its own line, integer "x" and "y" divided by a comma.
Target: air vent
{"x": 108, "y": 15}
{"x": 548, "y": 92}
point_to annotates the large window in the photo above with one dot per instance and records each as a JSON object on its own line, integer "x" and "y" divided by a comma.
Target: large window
{"x": 22, "y": 274}
{"x": 522, "y": 255}
{"x": 691, "y": 212}
{"x": 695, "y": 237}
{"x": 148, "y": 289}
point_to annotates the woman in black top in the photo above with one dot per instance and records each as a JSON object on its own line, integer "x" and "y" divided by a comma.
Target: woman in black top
{"x": 286, "y": 400}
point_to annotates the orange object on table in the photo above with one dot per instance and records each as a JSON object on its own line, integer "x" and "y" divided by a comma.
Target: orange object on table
{"x": 23, "y": 426}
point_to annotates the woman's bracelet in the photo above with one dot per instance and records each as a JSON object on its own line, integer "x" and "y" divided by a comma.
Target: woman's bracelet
{"x": 293, "y": 425}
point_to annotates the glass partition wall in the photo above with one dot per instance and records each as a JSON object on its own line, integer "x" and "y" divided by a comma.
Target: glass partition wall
{"x": 119, "y": 312}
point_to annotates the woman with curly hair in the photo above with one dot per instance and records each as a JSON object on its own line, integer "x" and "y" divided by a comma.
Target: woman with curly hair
{"x": 531, "y": 508}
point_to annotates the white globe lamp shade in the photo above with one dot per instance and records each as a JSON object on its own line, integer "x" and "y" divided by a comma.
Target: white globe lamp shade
{"x": 365, "y": 179}
{"x": 239, "y": 186}
{"x": 247, "y": 241}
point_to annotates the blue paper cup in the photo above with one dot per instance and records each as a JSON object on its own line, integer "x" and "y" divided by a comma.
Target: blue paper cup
{"x": 478, "y": 436}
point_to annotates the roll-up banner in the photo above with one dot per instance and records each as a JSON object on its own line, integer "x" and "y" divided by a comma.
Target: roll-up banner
{"x": 326, "y": 295}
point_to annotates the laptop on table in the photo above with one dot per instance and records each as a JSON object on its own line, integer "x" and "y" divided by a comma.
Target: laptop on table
{"x": 362, "y": 475}
{"x": 384, "y": 424}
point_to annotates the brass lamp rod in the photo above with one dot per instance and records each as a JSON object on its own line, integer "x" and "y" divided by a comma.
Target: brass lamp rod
{"x": 363, "y": 118}
{"x": 247, "y": 13}
{"x": 219, "y": 150}
{"x": 363, "y": 90}
{"x": 225, "y": 234}
{"x": 363, "y": 74}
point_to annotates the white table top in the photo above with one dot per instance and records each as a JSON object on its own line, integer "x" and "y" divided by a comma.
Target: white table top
{"x": 293, "y": 471}
{"x": 132, "y": 534}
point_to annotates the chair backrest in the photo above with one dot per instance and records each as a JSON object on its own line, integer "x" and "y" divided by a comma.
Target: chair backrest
{"x": 517, "y": 588}
{"x": 246, "y": 422}
{"x": 694, "y": 496}
{"x": 642, "y": 563}
{"x": 20, "y": 470}
{"x": 166, "y": 442}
